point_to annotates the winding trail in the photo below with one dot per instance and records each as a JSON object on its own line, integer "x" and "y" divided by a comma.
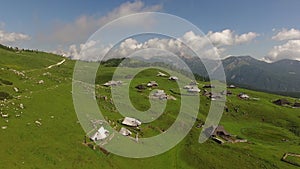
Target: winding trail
{"x": 57, "y": 64}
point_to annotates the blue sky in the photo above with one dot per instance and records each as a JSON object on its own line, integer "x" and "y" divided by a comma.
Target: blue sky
{"x": 42, "y": 20}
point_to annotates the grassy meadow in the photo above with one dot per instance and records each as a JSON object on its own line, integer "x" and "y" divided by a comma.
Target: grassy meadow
{"x": 46, "y": 96}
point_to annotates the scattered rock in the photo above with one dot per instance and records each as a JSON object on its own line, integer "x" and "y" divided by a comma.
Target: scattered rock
{"x": 16, "y": 89}
{"x": 4, "y": 115}
{"x": 41, "y": 82}
{"x": 21, "y": 106}
{"x": 47, "y": 74}
{"x": 38, "y": 123}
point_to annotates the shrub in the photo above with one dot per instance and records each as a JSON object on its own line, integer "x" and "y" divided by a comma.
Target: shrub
{"x": 6, "y": 82}
{"x": 4, "y": 95}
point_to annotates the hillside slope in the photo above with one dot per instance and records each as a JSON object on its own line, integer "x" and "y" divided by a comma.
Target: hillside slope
{"x": 280, "y": 77}
{"x": 45, "y": 95}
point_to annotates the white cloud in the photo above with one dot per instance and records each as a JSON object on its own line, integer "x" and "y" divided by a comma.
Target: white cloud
{"x": 193, "y": 40}
{"x": 129, "y": 8}
{"x": 79, "y": 30}
{"x": 285, "y": 34}
{"x": 89, "y": 51}
{"x": 181, "y": 47}
{"x": 244, "y": 38}
{"x": 11, "y": 37}
{"x": 228, "y": 37}
{"x": 221, "y": 38}
{"x": 289, "y": 50}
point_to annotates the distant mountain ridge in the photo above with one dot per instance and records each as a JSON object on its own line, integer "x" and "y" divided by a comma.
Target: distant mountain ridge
{"x": 281, "y": 77}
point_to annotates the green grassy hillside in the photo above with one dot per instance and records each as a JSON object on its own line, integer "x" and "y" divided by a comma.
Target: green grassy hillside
{"x": 45, "y": 94}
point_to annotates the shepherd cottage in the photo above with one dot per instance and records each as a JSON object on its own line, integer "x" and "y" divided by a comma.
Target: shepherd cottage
{"x": 194, "y": 89}
{"x": 100, "y": 134}
{"x": 131, "y": 122}
{"x": 152, "y": 84}
{"x": 281, "y": 102}
{"x": 243, "y": 96}
{"x": 112, "y": 83}
{"x": 160, "y": 94}
{"x": 125, "y": 132}
{"x": 174, "y": 78}
{"x": 161, "y": 74}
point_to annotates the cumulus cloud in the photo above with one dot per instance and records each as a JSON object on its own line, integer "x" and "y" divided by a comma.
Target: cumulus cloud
{"x": 289, "y": 50}
{"x": 224, "y": 37}
{"x": 129, "y": 8}
{"x": 79, "y": 30}
{"x": 244, "y": 38}
{"x": 181, "y": 46}
{"x": 11, "y": 37}
{"x": 193, "y": 40}
{"x": 286, "y": 34}
{"x": 229, "y": 37}
{"x": 220, "y": 40}
{"x": 89, "y": 51}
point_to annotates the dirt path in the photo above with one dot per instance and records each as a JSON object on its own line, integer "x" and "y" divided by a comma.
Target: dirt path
{"x": 57, "y": 64}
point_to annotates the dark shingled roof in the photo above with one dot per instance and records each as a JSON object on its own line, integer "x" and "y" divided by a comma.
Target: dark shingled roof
{"x": 141, "y": 87}
{"x": 296, "y": 105}
{"x": 281, "y": 102}
{"x": 220, "y": 131}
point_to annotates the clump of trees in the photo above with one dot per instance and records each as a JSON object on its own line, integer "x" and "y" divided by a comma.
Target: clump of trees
{"x": 6, "y": 82}
{"x": 4, "y": 95}
{"x": 14, "y": 49}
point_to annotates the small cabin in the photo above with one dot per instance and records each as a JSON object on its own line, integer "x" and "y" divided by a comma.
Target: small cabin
{"x": 243, "y": 96}
{"x": 160, "y": 94}
{"x": 140, "y": 87}
{"x": 193, "y": 89}
{"x": 174, "y": 78}
{"x": 129, "y": 121}
{"x": 281, "y": 102}
{"x": 100, "y": 134}
{"x": 160, "y": 74}
{"x": 231, "y": 87}
{"x": 152, "y": 84}
{"x": 297, "y": 105}
{"x": 112, "y": 83}
{"x": 208, "y": 86}
{"x": 125, "y": 132}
